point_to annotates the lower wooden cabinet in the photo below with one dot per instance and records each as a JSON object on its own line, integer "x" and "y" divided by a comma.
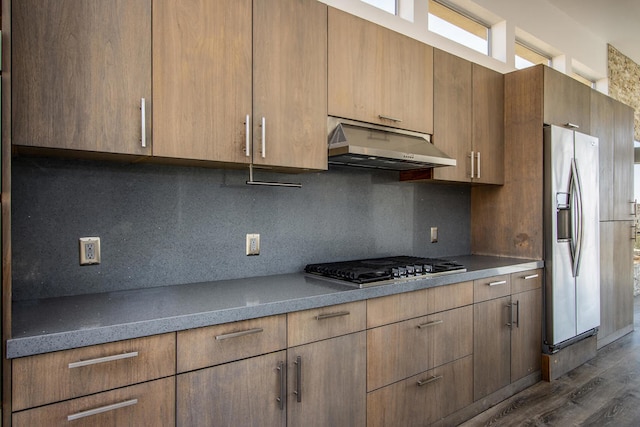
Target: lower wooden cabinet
{"x": 508, "y": 335}
{"x": 249, "y": 392}
{"x": 147, "y": 404}
{"x": 424, "y": 398}
{"x": 327, "y": 382}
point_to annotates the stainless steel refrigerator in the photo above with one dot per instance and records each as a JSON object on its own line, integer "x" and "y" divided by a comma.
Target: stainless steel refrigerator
{"x": 572, "y": 237}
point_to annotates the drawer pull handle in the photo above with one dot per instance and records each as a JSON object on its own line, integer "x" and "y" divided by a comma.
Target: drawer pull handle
{"x": 430, "y": 380}
{"x": 428, "y": 324}
{"x": 102, "y": 359}
{"x": 239, "y": 334}
{"x": 330, "y": 315}
{"x": 533, "y": 276}
{"x": 101, "y": 409}
{"x": 501, "y": 282}
{"x": 393, "y": 119}
{"x": 143, "y": 123}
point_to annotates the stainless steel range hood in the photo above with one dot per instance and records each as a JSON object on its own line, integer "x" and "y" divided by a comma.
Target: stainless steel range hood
{"x": 355, "y": 143}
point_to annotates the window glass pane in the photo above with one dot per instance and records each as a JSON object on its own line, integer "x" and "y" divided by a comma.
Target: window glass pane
{"x": 458, "y": 27}
{"x": 386, "y": 5}
{"x": 526, "y": 57}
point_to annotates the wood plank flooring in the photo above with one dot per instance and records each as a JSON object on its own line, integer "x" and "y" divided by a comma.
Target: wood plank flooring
{"x": 603, "y": 392}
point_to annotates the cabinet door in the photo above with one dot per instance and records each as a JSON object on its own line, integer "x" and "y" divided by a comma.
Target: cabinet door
{"x": 491, "y": 346}
{"x": 327, "y": 383}
{"x": 616, "y": 277}
{"x": 147, "y": 404}
{"x": 79, "y": 71}
{"x": 623, "y": 163}
{"x": 201, "y": 79}
{"x": 452, "y": 114}
{"x": 602, "y": 127}
{"x": 566, "y": 100}
{"x": 248, "y": 392}
{"x": 379, "y": 76}
{"x": 290, "y": 83}
{"x": 526, "y": 333}
{"x": 488, "y": 125}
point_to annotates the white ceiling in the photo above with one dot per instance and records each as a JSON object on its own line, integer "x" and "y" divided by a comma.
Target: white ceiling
{"x": 616, "y": 22}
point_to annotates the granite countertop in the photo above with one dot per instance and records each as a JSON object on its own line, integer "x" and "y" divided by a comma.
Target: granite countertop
{"x": 41, "y": 326}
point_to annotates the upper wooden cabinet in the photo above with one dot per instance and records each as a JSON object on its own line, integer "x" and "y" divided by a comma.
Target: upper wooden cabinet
{"x": 488, "y": 125}
{"x": 452, "y": 114}
{"x": 202, "y": 79}
{"x": 566, "y": 100}
{"x": 379, "y": 76}
{"x": 241, "y": 80}
{"x": 469, "y": 120}
{"x": 79, "y": 72}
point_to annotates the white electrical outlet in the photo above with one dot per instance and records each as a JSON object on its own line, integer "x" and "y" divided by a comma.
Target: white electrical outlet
{"x": 434, "y": 234}
{"x": 253, "y": 244}
{"x": 89, "y": 250}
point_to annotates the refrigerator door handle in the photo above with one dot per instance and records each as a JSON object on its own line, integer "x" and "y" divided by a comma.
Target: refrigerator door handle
{"x": 577, "y": 215}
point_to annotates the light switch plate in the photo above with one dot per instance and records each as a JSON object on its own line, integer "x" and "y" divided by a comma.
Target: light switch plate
{"x": 434, "y": 234}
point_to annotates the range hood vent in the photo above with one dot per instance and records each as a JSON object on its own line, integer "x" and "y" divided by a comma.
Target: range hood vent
{"x": 373, "y": 146}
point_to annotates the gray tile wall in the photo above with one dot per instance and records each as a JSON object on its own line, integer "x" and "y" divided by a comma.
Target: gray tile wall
{"x": 168, "y": 225}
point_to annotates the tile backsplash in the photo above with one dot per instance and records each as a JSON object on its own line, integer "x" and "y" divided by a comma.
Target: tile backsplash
{"x": 169, "y": 225}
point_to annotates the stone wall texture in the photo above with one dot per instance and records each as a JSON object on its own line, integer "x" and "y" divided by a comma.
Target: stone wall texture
{"x": 624, "y": 83}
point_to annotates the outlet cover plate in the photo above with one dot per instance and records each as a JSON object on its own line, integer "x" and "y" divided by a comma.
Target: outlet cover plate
{"x": 253, "y": 244}
{"x": 89, "y": 250}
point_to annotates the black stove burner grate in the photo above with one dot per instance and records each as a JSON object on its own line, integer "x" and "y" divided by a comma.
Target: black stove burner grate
{"x": 377, "y": 269}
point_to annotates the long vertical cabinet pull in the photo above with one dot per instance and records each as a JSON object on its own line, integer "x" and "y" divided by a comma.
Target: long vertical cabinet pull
{"x": 472, "y": 163}
{"x": 283, "y": 385}
{"x": 517, "y": 304}
{"x": 247, "y": 131}
{"x": 143, "y": 123}
{"x": 264, "y": 136}
{"x": 298, "y": 390}
{"x": 510, "y": 322}
{"x": 478, "y": 174}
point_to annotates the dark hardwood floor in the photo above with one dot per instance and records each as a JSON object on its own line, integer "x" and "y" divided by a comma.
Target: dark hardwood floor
{"x": 603, "y": 392}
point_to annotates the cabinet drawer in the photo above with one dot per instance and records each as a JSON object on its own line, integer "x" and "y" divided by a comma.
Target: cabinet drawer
{"x": 423, "y": 398}
{"x": 526, "y": 280}
{"x": 213, "y": 345}
{"x": 398, "y": 307}
{"x": 491, "y": 287}
{"x": 51, "y": 377}
{"x": 451, "y": 296}
{"x": 326, "y": 322}
{"x": 399, "y": 350}
{"x": 147, "y": 404}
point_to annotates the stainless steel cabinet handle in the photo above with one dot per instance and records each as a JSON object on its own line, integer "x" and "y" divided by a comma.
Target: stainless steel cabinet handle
{"x": 264, "y": 137}
{"x": 101, "y": 409}
{"x": 510, "y": 322}
{"x": 532, "y": 276}
{"x": 143, "y": 123}
{"x": 517, "y": 304}
{"x": 428, "y": 381}
{"x": 298, "y": 390}
{"x": 634, "y": 233}
{"x": 247, "y": 131}
{"x": 283, "y": 385}
{"x": 501, "y": 282}
{"x": 330, "y": 315}
{"x": 239, "y": 334}
{"x": 472, "y": 155}
{"x": 393, "y": 119}
{"x": 478, "y": 174}
{"x": 102, "y": 359}
{"x": 571, "y": 125}
{"x": 428, "y": 324}
{"x": 634, "y": 208}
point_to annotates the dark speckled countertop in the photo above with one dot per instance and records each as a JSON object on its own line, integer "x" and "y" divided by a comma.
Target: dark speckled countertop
{"x": 46, "y": 325}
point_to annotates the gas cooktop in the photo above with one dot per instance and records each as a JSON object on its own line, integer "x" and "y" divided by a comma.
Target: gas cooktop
{"x": 379, "y": 271}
